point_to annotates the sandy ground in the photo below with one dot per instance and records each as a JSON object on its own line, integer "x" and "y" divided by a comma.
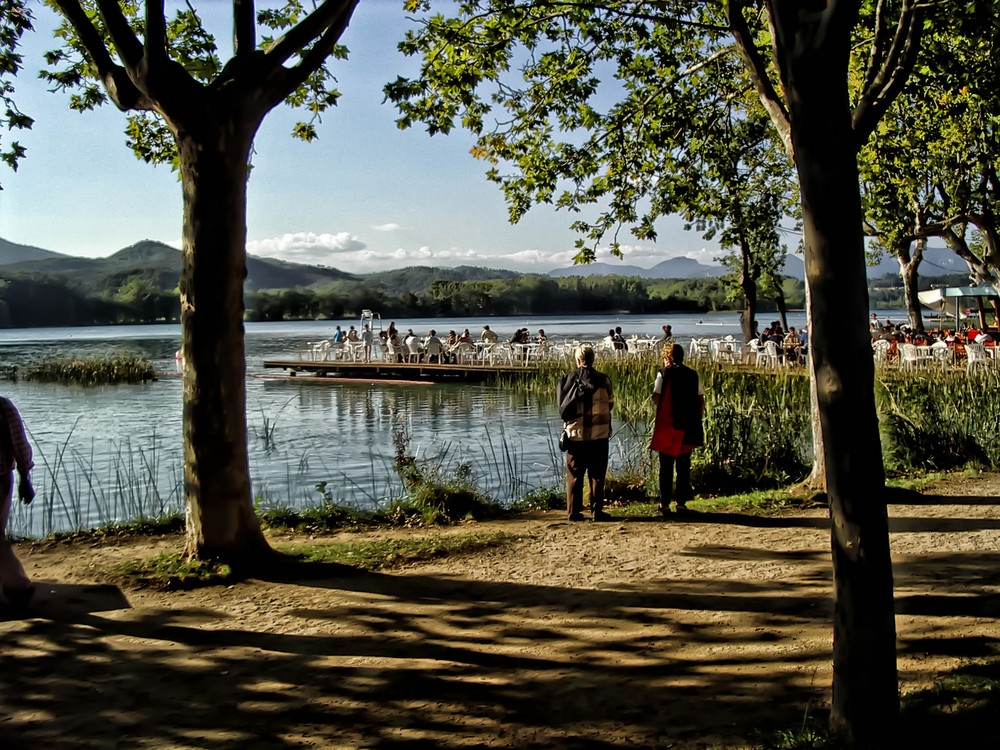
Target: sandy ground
{"x": 641, "y": 633}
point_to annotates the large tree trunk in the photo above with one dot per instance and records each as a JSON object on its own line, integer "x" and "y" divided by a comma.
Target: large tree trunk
{"x": 908, "y": 267}
{"x": 220, "y": 520}
{"x": 748, "y": 283}
{"x": 865, "y": 697}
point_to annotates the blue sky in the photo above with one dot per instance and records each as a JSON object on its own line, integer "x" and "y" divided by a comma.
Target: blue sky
{"x": 364, "y": 197}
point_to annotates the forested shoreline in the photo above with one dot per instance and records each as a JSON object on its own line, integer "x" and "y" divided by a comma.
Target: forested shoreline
{"x": 43, "y": 301}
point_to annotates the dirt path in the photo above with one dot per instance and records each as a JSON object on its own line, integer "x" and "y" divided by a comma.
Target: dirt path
{"x": 637, "y": 633}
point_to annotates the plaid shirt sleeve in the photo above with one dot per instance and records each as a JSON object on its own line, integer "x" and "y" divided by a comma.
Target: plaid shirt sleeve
{"x": 20, "y": 450}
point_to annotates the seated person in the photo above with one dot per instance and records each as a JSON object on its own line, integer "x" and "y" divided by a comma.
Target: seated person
{"x": 791, "y": 344}
{"x": 433, "y": 347}
{"x": 466, "y": 337}
{"x": 488, "y": 336}
{"x": 619, "y": 339}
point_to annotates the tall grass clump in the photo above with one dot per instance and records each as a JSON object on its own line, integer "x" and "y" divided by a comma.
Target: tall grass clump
{"x": 757, "y": 423}
{"x": 937, "y": 421}
{"x": 435, "y": 493}
{"x": 91, "y": 371}
{"x": 135, "y": 485}
{"x": 758, "y": 432}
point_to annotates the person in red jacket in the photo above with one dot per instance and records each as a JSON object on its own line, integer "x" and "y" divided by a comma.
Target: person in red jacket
{"x": 680, "y": 402}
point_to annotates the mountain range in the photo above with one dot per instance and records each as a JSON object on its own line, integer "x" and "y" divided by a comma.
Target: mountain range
{"x": 161, "y": 264}
{"x": 672, "y": 268}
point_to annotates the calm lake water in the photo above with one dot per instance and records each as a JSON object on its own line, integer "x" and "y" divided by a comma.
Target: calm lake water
{"x": 114, "y": 453}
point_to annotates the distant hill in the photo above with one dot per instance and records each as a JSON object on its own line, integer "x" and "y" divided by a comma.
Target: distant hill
{"x": 161, "y": 264}
{"x": 417, "y": 279}
{"x": 11, "y": 252}
{"x": 938, "y": 261}
{"x": 672, "y": 268}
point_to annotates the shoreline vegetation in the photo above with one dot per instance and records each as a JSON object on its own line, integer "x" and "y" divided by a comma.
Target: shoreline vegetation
{"x": 758, "y": 439}
{"x": 119, "y": 369}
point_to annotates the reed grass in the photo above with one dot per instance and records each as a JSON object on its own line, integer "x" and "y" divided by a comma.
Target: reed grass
{"x": 758, "y": 429}
{"x": 91, "y": 371}
{"x": 939, "y": 421}
{"x": 757, "y": 438}
{"x": 71, "y": 495}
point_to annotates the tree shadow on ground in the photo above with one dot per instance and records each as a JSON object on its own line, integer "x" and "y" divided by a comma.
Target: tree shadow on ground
{"x": 401, "y": 661}
{"x": 418, "y": 661}
{"x": 896, "y": 524}
{"x": 961, "y": 710}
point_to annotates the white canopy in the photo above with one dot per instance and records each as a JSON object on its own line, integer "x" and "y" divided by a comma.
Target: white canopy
{"x": 936, "y": 299}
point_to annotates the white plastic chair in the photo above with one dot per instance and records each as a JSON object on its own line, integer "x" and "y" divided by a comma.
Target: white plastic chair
{"x": 942, "y": 355}
{"x": 465, "y": 353}
{"x": 768, "y": 356}
{"x": 880, "y": 349}
{"x": 434, "y": 350}
{"x": 908, "y": 359}
{"x": 413, "y": 349}
{"x": 976, "y": 357}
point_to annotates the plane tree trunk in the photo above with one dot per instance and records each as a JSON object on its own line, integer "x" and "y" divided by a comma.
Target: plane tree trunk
{"x": 909, "y": 263}
{"x": 748, "y": 284}
{"x": 865, "y": 693}
{"x": 220, "y": 520}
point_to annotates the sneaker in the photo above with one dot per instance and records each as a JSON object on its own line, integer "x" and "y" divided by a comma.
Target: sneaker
{"x": 576, "y": 516}
{"x": 682, "y": 508}
{"x": 600, "y": 515}
{"x": 664, "y": 510}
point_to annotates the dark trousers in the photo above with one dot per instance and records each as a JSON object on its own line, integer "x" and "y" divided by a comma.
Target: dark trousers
{"x": 588, "y": 457}
{"x": 684, "y": 491}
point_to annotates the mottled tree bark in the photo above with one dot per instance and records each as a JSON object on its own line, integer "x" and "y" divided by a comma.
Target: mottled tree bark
{"x": 909, "y": 264}
{"x": 815, "y": 55}
{"x": 220, "y": 519}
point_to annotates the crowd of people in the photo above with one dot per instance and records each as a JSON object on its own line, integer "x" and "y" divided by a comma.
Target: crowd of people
{"x": 903, "y": 333}
{"x": 792, "y": 345}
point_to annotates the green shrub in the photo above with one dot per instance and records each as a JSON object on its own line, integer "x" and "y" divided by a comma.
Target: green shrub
{"x": 94, "y": 371}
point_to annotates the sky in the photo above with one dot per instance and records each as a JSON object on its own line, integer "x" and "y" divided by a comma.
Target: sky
{"x": 364, "y": 197}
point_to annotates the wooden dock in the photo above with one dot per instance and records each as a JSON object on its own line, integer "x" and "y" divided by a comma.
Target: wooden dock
{"x": 335, "y": 369}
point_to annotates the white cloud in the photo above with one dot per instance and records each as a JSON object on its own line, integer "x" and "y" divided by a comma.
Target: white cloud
{"x": 390, "y": 227}
{"x": 308, "y": 247}
{"x": 346, "y": 251}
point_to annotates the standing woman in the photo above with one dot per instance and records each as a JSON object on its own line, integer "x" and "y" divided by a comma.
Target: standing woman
{"x": 680, "y": 402}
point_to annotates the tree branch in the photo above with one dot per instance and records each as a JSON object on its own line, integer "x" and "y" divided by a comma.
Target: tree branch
{"x": 244, "y": 28}
{"x": 756, "y": 69}
{"x": 128, "y": 46}
{"x": 121, "y": 90}
{"x": 892, "y": 75}
{"x": 875, "y": 52}
{"x": 155, "y": 48}
{"x": 330, "y": 14}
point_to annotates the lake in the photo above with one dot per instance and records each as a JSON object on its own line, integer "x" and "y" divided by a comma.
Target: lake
{"x": 114, "y": 453}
